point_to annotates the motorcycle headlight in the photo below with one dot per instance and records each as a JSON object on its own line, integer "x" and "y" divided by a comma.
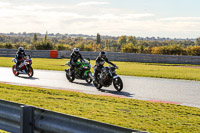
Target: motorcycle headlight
{"x": 29, "y": 62}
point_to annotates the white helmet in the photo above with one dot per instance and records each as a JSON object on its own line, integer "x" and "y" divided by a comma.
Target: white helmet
{"x": 76, "y": 51}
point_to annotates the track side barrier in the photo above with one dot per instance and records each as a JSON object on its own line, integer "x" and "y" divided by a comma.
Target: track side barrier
{"x": 19, "y": 118}
{"x": 127, "y": 57}
{"x": 133, "y": 57}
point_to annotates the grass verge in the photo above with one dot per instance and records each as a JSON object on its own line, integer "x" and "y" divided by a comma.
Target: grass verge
{"x": 172, "y": 71}
{"x": 130, "y": 113}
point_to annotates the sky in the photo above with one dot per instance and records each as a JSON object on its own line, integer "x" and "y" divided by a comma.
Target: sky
{"x": 140, "y": 18}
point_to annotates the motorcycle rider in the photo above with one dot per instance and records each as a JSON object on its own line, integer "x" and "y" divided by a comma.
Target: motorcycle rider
{"x": 100, "y": 60}
{"x": 19, "y": 56}
{"x": 75, "y": 55}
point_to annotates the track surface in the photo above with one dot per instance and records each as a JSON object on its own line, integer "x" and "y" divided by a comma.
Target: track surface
{"x": 172, "y": 91}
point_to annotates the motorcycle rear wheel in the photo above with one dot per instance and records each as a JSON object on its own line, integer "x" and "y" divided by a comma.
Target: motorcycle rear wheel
{"x": 97, "y": 85}
{"x": 88, "y": 79}
{"x": 118, "y": 84}
{"x": 70, "y": 78}
{"x": 15, "y": 72}
{"x": 30, "y": 71}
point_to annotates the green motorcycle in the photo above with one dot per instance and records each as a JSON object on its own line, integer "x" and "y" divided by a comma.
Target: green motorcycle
{"x": 82, "y": 71}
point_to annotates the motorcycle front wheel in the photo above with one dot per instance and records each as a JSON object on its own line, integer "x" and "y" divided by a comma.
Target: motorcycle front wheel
{"x": 14, "y": 71}
{"x": 118, "y": 84}
{"x": 30, "y": 71}
{"x": 70, "y": 77}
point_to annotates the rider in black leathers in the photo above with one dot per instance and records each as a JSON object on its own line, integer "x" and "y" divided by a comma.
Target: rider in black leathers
{"x": 100, "y": 60}
{"x": 19, "y": 55}
{"x": 74, "y": 57}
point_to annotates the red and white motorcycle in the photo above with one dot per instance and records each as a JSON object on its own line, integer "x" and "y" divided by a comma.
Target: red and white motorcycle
{"x": 24, "y": 67}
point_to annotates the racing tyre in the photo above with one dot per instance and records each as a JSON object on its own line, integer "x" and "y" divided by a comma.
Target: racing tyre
{"x": 97, "y": 85}
{"x": 30, "y": 71}
{"x": 88, "y": 78}
{"x": 14, "y": 71}
{"x": 118, "y": 84}
{"x": 70, "y": 77}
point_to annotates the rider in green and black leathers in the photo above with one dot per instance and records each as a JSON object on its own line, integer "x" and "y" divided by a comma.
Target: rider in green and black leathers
{"x": 100, "y": 60}
{"x": 74, "y": 57}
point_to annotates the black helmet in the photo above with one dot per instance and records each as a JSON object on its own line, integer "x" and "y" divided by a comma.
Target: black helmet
{"x": 103, "y": 54}
{"x": 21, "y": 49}
{"x": 76, "y": 50}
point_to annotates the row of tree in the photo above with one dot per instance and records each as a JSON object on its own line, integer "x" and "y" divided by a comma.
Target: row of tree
{"x": 165, "y": 50}
{"x": 128, "y": 44}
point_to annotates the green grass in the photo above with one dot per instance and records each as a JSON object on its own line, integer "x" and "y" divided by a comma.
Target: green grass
{"x": 130, "y": 113}
{"x": 172, "y": 71}
{"x": 2, "y": 131}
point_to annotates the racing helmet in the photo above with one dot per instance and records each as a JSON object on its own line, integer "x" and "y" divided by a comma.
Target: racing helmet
{"x": 76, "y": 51}
{"x": 20, "y": 49}
{"x": 103, "y": 54}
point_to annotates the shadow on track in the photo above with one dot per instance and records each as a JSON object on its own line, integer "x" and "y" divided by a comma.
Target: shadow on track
{"x": 32, "y": 78}
{"x": 114, "y": 92}
{"x": 122, "y": 93}
{"x": 85, "y": 84}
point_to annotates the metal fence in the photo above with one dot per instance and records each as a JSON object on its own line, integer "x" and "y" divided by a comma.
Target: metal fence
{"x": 33, "y": 53}
{"x": 146, "y": 58}
{"x": 127, "y": 57}
{"x": 18, "y": 118}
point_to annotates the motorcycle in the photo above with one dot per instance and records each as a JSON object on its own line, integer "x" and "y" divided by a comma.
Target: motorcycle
{"x": 108, "y": 76}
{"x": 81, "y": 72}
{"x": 24, "y": 67}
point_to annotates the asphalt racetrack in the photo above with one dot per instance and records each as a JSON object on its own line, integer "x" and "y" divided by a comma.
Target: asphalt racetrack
{"x": 182, "y": 92}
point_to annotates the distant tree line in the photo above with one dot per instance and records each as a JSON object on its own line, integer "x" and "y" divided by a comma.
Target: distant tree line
{"x": 127, "y": 44}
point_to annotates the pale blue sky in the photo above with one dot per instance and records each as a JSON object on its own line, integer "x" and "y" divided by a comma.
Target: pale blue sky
{"x": 163, "y": 18}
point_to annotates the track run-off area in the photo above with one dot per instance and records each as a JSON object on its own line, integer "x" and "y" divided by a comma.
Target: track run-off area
{"x": 182, "y": 92}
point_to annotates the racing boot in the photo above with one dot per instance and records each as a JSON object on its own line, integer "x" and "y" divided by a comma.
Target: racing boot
{"x": 16, "y": 68}
{"x": 95, "y": 80}
{"x": 70, "y": 73}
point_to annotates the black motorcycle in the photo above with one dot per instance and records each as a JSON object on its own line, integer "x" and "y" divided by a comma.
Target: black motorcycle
{"x": 107, "y": 77}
